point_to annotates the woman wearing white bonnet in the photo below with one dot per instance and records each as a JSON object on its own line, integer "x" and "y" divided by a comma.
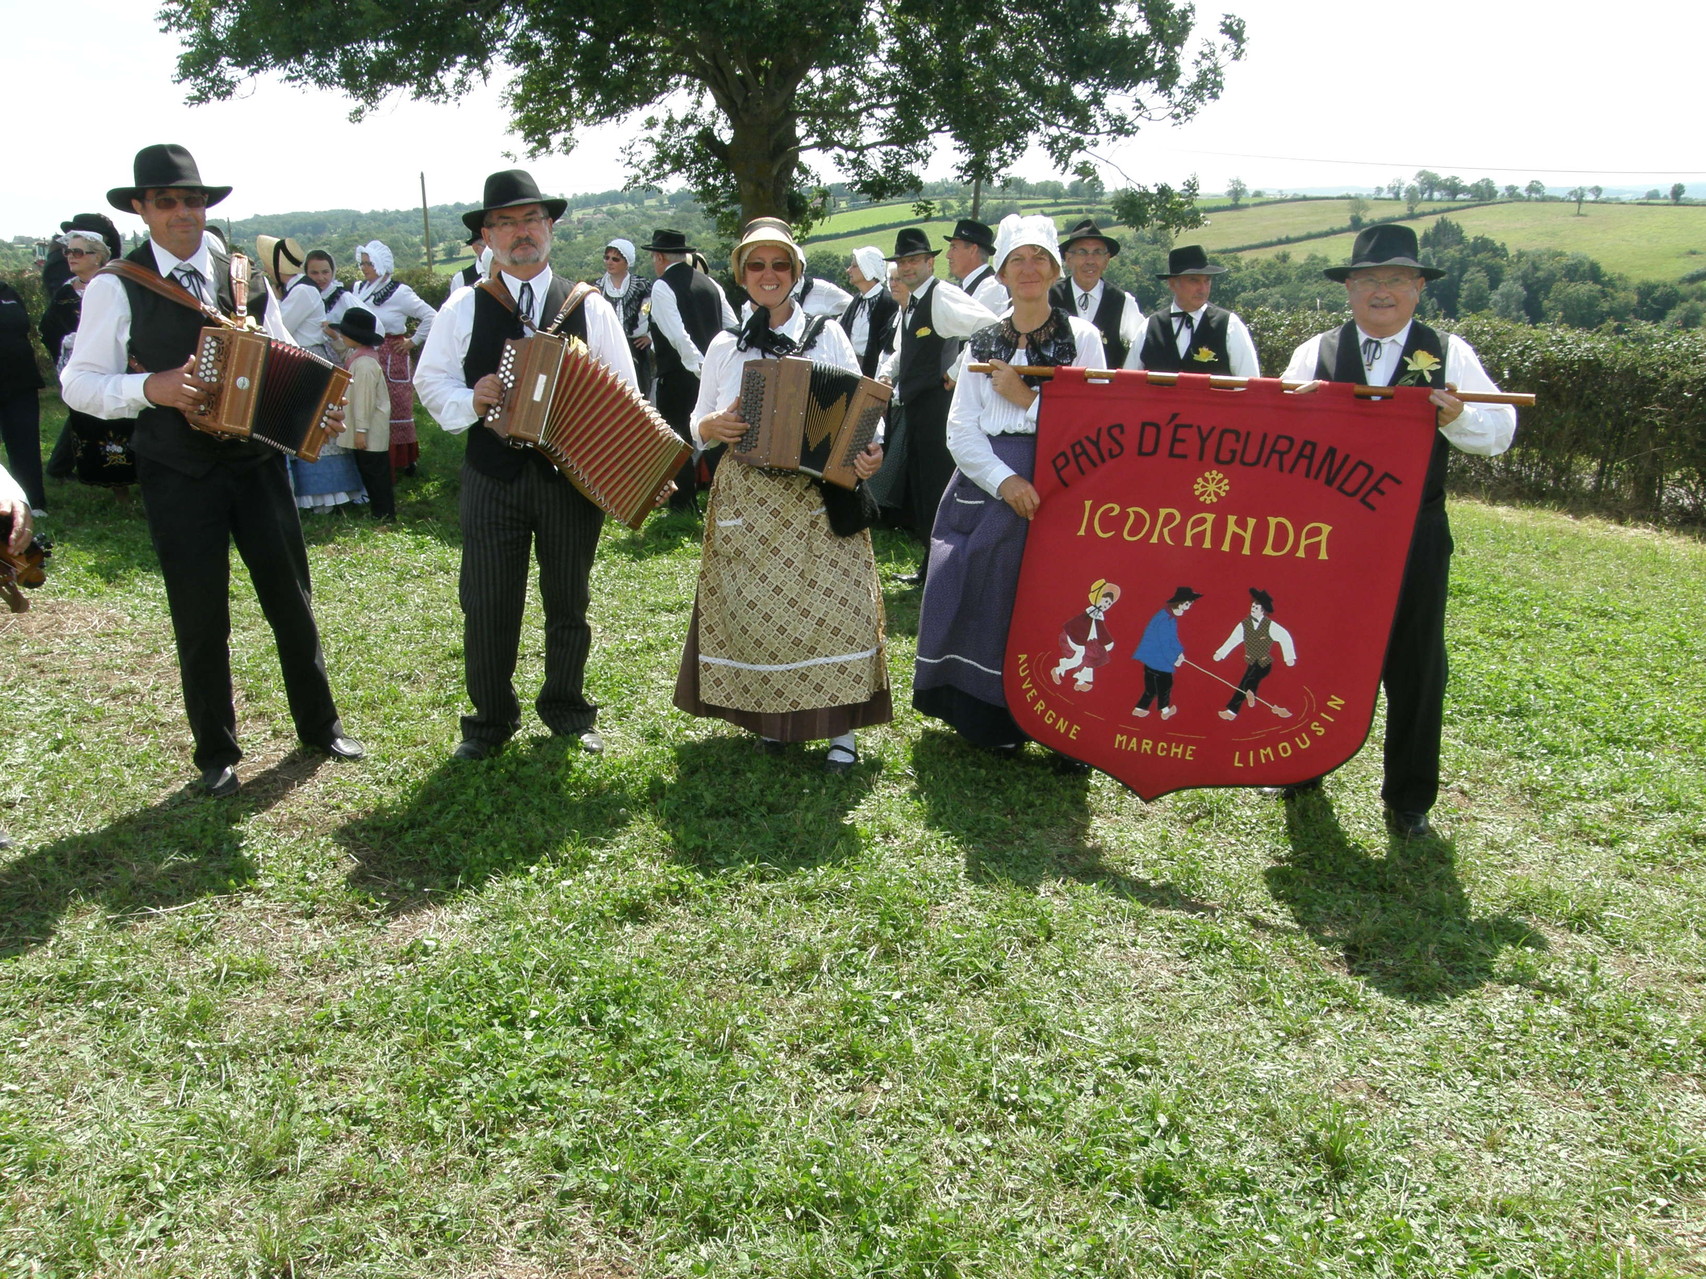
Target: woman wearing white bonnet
{"x": 630, "y": 295}
{"x": 979, "y": 535}
{"x": 394, "y": 304}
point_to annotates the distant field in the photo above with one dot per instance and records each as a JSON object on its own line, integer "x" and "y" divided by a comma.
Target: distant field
{"x": 1228, "y": 227}
{"x": 1644, "y": 242}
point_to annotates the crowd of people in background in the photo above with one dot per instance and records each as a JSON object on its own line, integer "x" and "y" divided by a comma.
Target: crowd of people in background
{"x": 953, "y": 463}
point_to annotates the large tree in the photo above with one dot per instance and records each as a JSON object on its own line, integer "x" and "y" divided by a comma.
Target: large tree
{"x": 741, "y": 97}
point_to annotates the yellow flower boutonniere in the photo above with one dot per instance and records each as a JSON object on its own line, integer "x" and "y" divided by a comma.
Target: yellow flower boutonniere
{"x": 1202, "y": 355}
{"x": 1419, "y": 368}
{"x": 923, "y": 332}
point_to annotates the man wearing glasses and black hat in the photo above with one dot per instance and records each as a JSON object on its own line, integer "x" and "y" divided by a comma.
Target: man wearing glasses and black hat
{"x": 201, "y": 493}
{"x": 513, "y": 500}
{"x": 1383, "y": 345}
{"x": 1083, "y": 293}
{"x": 1192, "y": 336}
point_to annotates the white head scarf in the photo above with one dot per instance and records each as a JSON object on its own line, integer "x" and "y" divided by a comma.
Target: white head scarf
{"x": 1034, "y": 230}
{"x": 380, "y": 256}
{"x": 869, "y": 259}
{"x": 625, "y": 248}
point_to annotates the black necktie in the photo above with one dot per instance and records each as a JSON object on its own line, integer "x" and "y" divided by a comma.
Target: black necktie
{"x": 1083, "y": 304}
{"x": 1181, "y": 321}
{"x": 1371, "y": 352}
{"x": 191, "y": 279}
{"x": 526, "y": 302}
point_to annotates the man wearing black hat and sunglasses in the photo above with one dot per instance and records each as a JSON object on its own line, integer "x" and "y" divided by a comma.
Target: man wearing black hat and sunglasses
{"x": 1383, "y": 345}
{"x": 514, "y": 500}
{"x": 1193, "y": 336}
{"x": 201, "y": 493}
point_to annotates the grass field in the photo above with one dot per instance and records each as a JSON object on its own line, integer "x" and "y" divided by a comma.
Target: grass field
{"x": 684, "y": 1010}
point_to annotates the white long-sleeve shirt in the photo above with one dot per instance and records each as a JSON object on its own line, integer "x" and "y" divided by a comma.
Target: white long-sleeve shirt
{"x": 439, "y": 377}
{"x": 96, "y": 380}
{"x": 1240, "y": 347}
{"x": 1132, "y": 318}
{"x": 979, "y": 412}
{"x": 302, "y": 312}
{"x": 395, "y": 312}
{"x": 719, "y": 382}
{"x": 1276, "y": 632}
{"x": 666, "y": 319}
{"x": 1484, "y": 429}
{"x": 954, "y": 314}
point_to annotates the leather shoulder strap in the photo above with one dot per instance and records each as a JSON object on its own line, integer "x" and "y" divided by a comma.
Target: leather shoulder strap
{"x": 171, "y": 290}
{"x": 577, "y": 295}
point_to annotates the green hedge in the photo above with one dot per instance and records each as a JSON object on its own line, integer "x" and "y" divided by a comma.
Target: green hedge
{"x": 1618, "y": 427}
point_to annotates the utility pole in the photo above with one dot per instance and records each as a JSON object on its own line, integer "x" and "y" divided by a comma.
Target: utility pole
{"x": 426, "y": 227}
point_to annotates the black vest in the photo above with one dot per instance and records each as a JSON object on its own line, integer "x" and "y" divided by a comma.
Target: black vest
{"x": 1107, "y": 319}
{"x": 699, "y": 302}
{"x": 1339, "y": 359}
{"x": 924, "y": 360}
{"x": 494, "y": 324}
{"x": 973, "y": 282}
{"x": 883, "y": 309}
{"x": 163, "y": 335}
{"x": 1160, "y": 351}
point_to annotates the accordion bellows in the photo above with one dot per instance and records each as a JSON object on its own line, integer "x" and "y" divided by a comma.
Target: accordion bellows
{"x": 605, "y": 438}
{"x": 808, "y": 416}
{"x": 266, "y": 390}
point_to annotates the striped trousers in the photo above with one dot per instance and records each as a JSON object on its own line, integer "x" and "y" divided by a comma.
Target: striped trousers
{"x": 502, "y": 521}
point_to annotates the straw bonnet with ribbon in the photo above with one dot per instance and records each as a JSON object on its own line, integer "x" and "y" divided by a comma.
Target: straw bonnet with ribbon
{"x": 766, "y": 231}
{"x": 281, "y": 258}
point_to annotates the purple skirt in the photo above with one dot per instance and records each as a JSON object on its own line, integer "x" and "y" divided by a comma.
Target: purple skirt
{"x": 975, "y": 549}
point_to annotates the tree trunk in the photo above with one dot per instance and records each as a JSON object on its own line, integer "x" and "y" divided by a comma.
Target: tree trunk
{"x": 977, "y": 199}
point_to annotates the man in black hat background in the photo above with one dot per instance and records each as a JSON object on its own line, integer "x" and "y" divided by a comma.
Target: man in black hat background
{"x": 354, "y": 338}
{"x": 969, "y": 249}
{"x": 514, "y": 501}
{"x": 1383, "y": 345}
{"x": 1192, "y": 335}
{"x": 201, "y": 493}
{"x": 937, "y": 319}
{"x": 1085, "y": 294}
{"x": 688, "y": 310}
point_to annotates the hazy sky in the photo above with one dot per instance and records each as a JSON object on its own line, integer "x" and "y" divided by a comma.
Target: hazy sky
{"x": 1356, "y": 93}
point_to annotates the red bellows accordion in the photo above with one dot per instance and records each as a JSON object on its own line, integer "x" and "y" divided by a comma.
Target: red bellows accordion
{"x": 603, "y": 435}
{"x": 803, "y": 415}
{"x": 266, "y": 390}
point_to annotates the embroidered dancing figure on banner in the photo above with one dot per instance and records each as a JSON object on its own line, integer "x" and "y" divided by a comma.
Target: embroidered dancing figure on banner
{"x": 1085, "y": 645}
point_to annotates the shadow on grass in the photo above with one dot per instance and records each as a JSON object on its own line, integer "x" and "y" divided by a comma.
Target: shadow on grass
{"x": 731, "y": 806}
{"x": 474, "y": 821}
{"x": 177, "y": 851}
{"x": 1402, "y": 920}
{"x": 1024, "y": 821}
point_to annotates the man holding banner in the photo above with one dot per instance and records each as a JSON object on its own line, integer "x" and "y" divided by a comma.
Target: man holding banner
{"x": 1382, "y": 345}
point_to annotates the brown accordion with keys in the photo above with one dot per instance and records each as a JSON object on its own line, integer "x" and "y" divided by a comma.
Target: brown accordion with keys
{"x": 804, "y": 415}
{"x": 602, "y": 434}
{"x": 266, "y": 390}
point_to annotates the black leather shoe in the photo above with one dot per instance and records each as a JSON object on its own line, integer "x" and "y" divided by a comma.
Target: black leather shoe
{"x": 592, "y": 741}
{"x": 474, "y": 748}
{"x": 909, "y": 579}
{"x": 340, "y": 748}
{"x": 219, "y": 782}
{"x": 1408, "y": 825}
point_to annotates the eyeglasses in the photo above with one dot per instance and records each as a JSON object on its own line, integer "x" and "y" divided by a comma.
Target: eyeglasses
{"x": 166, "y": 203}
{"x": 82, "y": 253}
{"x": 1383, "y": 283}
{"x": 531, "y": 222}
{"x": 782, "y": 266}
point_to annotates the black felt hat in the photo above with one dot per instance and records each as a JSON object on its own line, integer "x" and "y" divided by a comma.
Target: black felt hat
{"x": 96, "y": 224}
{"x": 1262, "y": 598}
{"x": 165, "y": 164}
{"x": 1184, "y": 595}
{"x": 1188, "y": 259}
{"x": 973, "y": 233}
{"x": 1386, "y": 244}
{"x": 1088, "y": 230}
{"x": 508, "y": 190}
{"x": 359, "y": 325}
{"x": 911, "y": 240}
{"x": 667, "y": 241}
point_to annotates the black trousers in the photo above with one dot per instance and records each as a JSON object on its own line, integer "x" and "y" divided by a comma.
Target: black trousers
{"x": 1157, "y": 688}
{"x": 1415, "y": 670}
{"x": 502, "y": 520}
{"x": 375, "y": 469}
{"x": 20, "y": 428}
{"x": 929, "y": 465}
{"x": 678, "y": 392}
{"x": 1254, "y": 674}
{"x": 193, "y": 522}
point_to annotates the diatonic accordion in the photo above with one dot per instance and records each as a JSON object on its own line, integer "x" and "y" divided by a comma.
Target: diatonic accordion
{"x": 804, "y": 415}
{"x": 266, "y": 390}
{"x": 601, "y": 433}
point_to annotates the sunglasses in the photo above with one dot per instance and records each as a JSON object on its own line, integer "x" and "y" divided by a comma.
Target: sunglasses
{"x": 81, "y": 253}
{"x": 166, "y": 203}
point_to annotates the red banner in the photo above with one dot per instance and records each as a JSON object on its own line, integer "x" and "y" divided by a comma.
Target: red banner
{"x": 1210, "y": 580}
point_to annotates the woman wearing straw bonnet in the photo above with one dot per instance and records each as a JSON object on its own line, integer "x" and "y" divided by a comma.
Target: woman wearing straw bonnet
{"x": 787, "y": 633}
{"x": 979, "y": 535}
